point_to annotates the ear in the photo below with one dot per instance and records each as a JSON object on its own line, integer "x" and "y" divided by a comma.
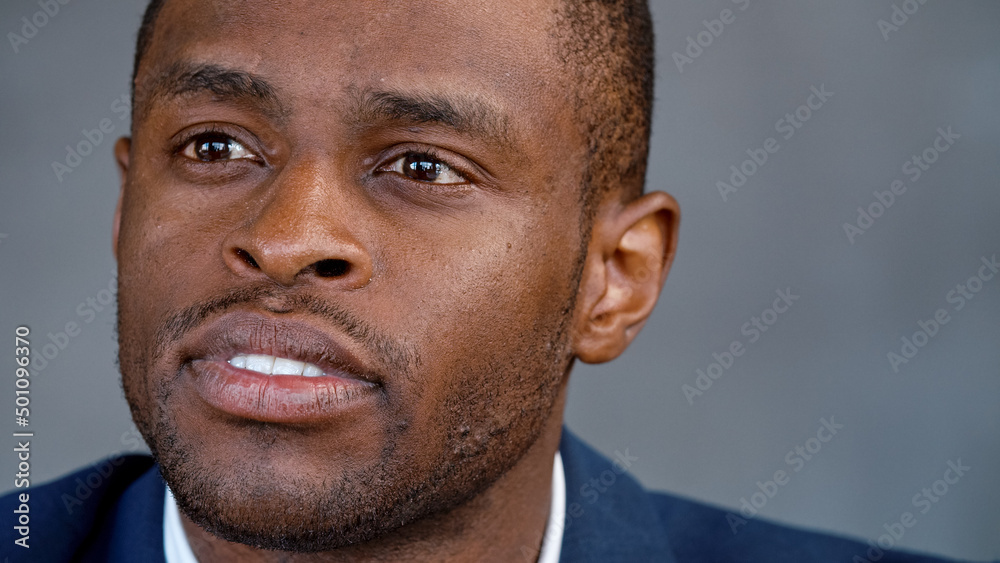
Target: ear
{"x": 630, "y": 251}
{"x": 123, "y": 147}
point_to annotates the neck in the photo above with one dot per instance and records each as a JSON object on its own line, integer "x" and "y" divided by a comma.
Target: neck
{"x": 504, "y": 523}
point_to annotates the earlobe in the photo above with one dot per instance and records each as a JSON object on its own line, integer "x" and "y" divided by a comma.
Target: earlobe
{"x": 123, "y": 149}
{"x": 630, "y": 252}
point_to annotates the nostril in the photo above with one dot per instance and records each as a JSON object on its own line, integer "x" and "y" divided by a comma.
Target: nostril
{"x": 246, "y": 257}
{"x": 332, "y": 268}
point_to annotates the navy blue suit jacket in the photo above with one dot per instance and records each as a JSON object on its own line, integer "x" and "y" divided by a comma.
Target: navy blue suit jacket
{"x": 113, "y": 512}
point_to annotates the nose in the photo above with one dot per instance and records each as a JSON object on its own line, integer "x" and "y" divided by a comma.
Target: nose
{"x": 301, "y": 231}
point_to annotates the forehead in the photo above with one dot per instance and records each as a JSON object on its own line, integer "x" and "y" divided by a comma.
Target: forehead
{"x": 317, "y": 53}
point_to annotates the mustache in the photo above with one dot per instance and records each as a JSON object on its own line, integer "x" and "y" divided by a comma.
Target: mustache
{"x": 394, "y": 354}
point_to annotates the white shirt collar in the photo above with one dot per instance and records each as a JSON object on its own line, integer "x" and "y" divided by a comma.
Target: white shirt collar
{"x": 177, "y": 549}
{"x": 552, "y": 540}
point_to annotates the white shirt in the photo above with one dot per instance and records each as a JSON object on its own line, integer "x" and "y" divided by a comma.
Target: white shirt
{"x": 178, "y": 550}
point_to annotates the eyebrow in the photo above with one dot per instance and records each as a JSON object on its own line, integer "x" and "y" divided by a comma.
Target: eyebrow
{"x": 470, "y": 116}
{"x": 182, "y": 79}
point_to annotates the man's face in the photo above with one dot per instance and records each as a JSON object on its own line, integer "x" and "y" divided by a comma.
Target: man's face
{"x": 386, "y": 192}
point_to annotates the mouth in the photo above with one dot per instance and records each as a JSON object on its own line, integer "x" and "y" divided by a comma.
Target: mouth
{"x": 256, "y": 367}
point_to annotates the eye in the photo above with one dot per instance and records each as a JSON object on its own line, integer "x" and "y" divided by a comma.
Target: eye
{"x": 423, "y": 167}
{"x": 213, "y": 147}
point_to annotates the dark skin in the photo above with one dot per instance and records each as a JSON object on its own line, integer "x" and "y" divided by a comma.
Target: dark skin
{"x": 400, "y": 186}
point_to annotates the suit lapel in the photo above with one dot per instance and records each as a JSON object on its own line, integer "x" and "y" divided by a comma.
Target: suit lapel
{"x": 135, "y": 528}
{"x": 609, "y": 516}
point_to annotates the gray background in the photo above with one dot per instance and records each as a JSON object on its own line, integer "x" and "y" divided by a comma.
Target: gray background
{"x": 825, "y": 357}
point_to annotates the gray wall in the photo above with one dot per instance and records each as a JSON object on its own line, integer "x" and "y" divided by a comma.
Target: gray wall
{"x": 825, "y": 357}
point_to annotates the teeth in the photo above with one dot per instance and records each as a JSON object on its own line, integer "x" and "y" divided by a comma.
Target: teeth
{"x": 271, "y": 365}
{"x": 262, "y": 364}
{"x": 284, "y": 366}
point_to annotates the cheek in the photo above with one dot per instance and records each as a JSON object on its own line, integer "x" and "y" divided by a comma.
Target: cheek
{"x": 164, "y": 259}
{"x": 166, "y": 231}
{"x": 488, "y": 311}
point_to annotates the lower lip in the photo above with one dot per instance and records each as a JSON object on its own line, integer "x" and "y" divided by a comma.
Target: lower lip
{"x": 276, "y": 398}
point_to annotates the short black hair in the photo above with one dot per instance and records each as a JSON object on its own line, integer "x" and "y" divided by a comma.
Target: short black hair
{"x": 144, "y": 38}
{"x": 608, "y": 47}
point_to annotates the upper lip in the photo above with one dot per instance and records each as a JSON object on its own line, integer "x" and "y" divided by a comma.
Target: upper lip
{"x": 244, "y": 332}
